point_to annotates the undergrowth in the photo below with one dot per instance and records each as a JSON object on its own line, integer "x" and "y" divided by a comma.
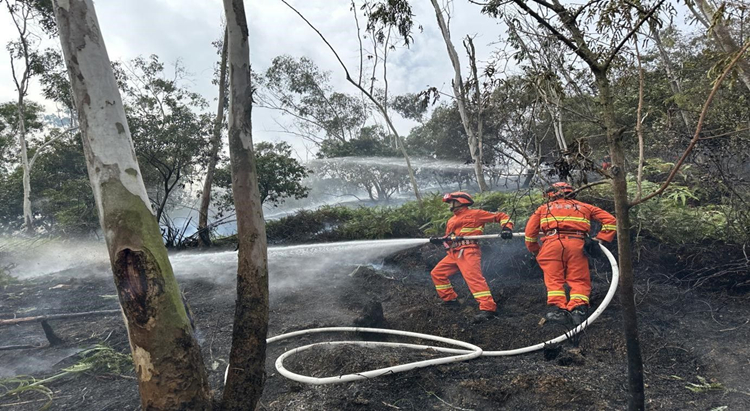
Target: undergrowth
{"x": 100, "y": 359}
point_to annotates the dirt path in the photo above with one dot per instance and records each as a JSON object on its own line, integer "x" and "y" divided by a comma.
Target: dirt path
{"x": 686, "y": 335}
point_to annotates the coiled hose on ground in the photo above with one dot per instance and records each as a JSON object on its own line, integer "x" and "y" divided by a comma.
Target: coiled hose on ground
{"x": 468, "y": 352}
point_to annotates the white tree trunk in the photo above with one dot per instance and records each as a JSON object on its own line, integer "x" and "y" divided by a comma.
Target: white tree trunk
{"x": 28, "y": 222}
{"x": 461, "y": 96}
{"x": 246, "y": 375}
{"x": 204, "y": 236}
{"x": 167, "y": 358}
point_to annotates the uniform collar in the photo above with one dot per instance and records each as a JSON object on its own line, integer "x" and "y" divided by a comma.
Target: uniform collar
{"x": 460, "y": 210}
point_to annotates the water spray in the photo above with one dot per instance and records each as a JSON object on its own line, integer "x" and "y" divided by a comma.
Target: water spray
{"x": 468, "y": 352}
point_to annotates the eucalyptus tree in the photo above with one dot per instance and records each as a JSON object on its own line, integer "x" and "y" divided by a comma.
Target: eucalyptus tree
{"x": 597, "y": 32}
{"x": 719, "y": 21}
{"x": 25, "y": 63}
{"x": 246, "y": 372}
{"x": 204, "y": 236}
{"x": 166, "y": 355}
{"x": 472, "y": 116}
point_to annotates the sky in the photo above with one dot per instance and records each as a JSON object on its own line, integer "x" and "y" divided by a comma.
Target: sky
{"x": 184, "y": 29}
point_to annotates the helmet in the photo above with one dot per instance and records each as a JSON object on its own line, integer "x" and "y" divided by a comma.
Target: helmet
{"x": 462, "y": 198}
{"x": 560, "y": 190}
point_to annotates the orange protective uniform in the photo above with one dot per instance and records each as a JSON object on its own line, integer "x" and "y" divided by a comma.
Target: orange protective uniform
{"x": 466, "y": 256}
{"x": 565, "y": 224}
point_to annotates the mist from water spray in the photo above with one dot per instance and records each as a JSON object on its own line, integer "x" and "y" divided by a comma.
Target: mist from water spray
{"x": 293, "y": 266}
{"x": 288, "y": 265}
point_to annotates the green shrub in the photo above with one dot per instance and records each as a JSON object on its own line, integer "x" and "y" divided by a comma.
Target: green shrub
{"x": 676, "y": 217}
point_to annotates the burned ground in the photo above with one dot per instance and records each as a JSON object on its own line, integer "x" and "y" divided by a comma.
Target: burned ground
{"x": 687, "y": 334}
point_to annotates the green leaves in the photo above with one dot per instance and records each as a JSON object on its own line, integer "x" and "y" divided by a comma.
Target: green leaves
{"x": 279, "y": 176}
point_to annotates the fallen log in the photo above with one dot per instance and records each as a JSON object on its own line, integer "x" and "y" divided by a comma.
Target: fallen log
{"x": 13, "y": 321}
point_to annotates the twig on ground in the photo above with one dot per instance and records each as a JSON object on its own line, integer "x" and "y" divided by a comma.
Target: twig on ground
{"x": 19, "y": 347}
{"x": 30, "y": 401}
{"x": 734, "y": 328}
{"x": 445, "y": 402}
{"x": 13, "y": 321}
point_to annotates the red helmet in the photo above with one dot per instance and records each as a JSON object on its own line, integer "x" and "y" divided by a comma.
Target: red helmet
{"x": 560, "y": 190}
{"x": 463, "y": 198}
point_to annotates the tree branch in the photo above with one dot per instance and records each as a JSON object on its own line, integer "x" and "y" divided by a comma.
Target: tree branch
{"x": 46, "y": 144}
{"x": 632, "y": 32}
{"x": 567, "y": 41}
{"x": 696, "y": 137}
{"x": 348, "y": 77}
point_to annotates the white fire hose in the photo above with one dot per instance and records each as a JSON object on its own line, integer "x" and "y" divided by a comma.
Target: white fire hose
{"x": 468, "y": 352}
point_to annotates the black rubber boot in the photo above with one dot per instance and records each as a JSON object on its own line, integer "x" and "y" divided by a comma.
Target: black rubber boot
{"x": 484, "y": 316}
{"x": 557, "y": 315}
{"x": 579, "y": 314}
{"x": 451, "y": 304}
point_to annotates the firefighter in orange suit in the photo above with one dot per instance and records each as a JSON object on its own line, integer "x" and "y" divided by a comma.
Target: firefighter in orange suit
{"x": 565, "y": 224}
{"x": 464, "y": 254}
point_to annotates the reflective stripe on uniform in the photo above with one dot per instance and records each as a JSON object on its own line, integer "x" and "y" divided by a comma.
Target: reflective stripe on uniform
{"x": 443, "y": 286}
{"x": 556, "y": 293}
{"x": 531, "y": 239}
{"x": 565, "y": 218}
{"x": 482, "y": 294}
{"x": 505, "y": 221}
{"x": 470, "y": 229}
{"x": 579, "y": 297}
{"x": 609, "y": 227}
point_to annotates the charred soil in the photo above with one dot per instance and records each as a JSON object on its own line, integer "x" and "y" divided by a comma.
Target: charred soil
{"x": 691, "y": 338}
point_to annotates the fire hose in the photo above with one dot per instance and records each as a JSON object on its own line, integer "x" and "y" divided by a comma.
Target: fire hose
{"x": 466, "y": 352}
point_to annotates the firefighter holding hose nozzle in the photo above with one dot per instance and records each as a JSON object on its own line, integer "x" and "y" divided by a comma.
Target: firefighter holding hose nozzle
{"x": 566, "y": 223}
{"x": 464, "y": 255}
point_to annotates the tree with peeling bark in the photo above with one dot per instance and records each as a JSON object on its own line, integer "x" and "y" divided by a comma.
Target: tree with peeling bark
{"x": 204, "y": 236}
{"x": 246, "y": 373}
{"x": 167, "y": 358}
{"x": 472, "y": 121}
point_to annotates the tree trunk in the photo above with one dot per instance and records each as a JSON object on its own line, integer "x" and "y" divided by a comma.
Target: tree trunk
{"x": 167, "y": 358}
{"x": 636, "y": 400}
{"x": 247, "y": 375}
{"x": 674, "y": 82}
{"x": 720, "y": 33}
{"x": 204, "y": 236}
{"x": 461, "y": 96}
{"x": 28, "y": 222}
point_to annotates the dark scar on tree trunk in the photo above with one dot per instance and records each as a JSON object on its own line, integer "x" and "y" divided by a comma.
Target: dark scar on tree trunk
{"x": 136, "y": 288}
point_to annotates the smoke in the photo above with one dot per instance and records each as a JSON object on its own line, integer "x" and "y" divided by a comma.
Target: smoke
{"x": 42, "y": 362}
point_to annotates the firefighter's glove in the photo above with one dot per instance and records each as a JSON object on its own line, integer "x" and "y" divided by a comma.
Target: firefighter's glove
{"x": 591, "y": 247}
{"x": 438, "y": 240}
{"x": 506, "y": 234}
